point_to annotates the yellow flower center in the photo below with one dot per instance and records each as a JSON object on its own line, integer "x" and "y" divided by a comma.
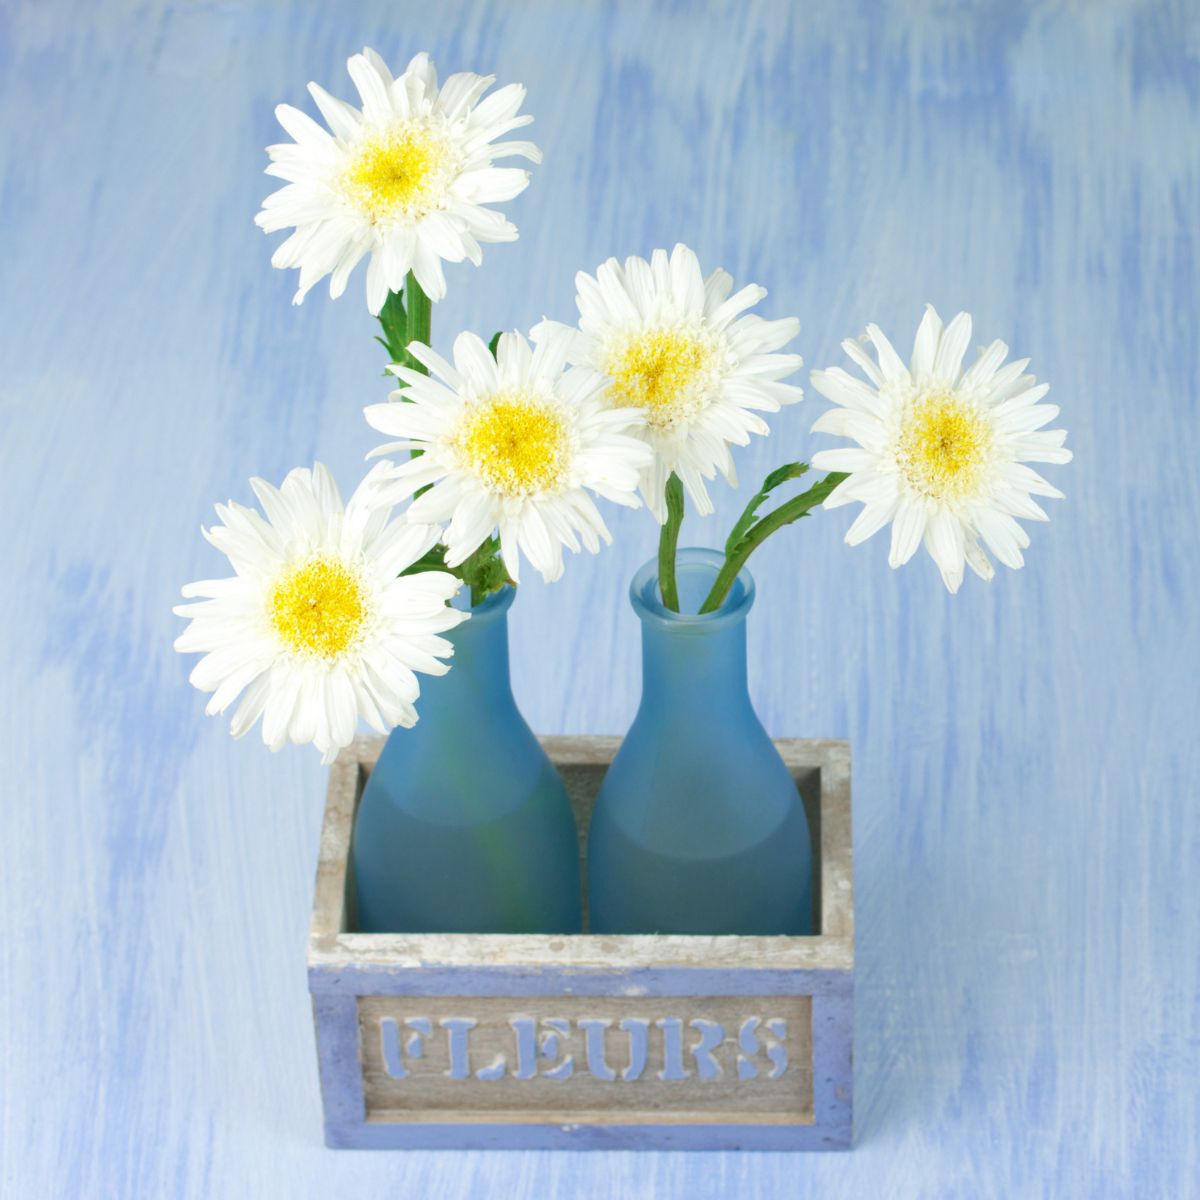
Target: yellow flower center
{"x": 318, "y": 608}
{"x": 943, "y": 446}
{"x": 516, "y": 444}
{"x": 658, "y": 372}
{"x": 395, "y": 172}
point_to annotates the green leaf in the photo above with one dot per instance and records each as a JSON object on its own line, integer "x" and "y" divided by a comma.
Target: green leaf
{"x": 395, "y": 326}
{"x": 754, "y": 536}
{"x": 746, "y": 520}
{"x": 385, "y": 372}
{"x": 491, "y": 578}
{"x": 800, "y": 506}
{"x": 484, "y": 571}
{"x": 494, "y": 342}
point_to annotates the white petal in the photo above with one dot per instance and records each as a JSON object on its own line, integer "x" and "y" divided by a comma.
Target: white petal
{"x": 434, "y": 363}
{"x": 847, "y": 459}
{"x": 908, "y": 528}
{"x": 427, "y": 267}
{"x": 978, "y": 561}
{"x": 842, "y": 388}
{"x": 926, "y": 343}
{"x": 1004, "y": 537}
{"x": 890, "y": 363}
{"x": 474, "y": 362}
{"x": 863, "y": 361}
{"x": 981, "y": 371}
{"x": 944, "y": 538}
{"x": 342, "y": 118}
{"x": 377, "y": 284}
{"x": 870, "y": 520}
{"x": 303, "y": 128}
{"x": 845, "y": 422}
{"x": 376, "y": 98}
{"x": 687, "y": 278}
{"x": 951, "y": 348}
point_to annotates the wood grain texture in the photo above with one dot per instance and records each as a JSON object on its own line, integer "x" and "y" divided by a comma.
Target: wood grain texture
{"x": 1027, "y": 834}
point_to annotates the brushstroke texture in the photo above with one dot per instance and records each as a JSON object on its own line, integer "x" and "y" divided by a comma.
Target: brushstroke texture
{"x": 1028, "y": 836}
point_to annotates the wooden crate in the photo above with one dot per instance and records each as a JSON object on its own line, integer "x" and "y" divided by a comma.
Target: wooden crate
{"x": 588, "y": 1042}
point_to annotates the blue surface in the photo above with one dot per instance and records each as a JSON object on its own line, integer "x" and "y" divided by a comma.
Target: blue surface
{"x": 1027, "y": 832}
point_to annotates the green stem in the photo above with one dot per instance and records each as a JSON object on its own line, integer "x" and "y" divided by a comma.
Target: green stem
{"x": 789, "y": 511}
{"x": 418, "y": 317}
{"x": 668, "y": 540}
{"x": 406, "y": 318}
{"x": 418, "y": 312}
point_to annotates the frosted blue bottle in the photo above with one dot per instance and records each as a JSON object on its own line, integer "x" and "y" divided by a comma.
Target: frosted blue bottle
{"x": 698, "y": 826}
{"x": 464, "y": 825}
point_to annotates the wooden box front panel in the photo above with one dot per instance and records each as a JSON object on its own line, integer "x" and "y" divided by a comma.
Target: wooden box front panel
{"x": 622, "y": 1059}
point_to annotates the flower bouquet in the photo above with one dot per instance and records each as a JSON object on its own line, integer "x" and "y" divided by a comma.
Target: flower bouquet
{"x": 391, "y": 607}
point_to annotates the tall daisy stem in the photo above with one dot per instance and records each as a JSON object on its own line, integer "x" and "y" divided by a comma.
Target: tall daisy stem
{"x": 418, "y": 318}
{"x": 406, "y": 318}
{"x": 418, "y": 312}
{"x": 791, "y": 510}
{"x": 668, "y": 540}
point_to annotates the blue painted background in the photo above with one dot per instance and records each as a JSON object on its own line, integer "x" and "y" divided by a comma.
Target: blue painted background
{"x": 1027, "y": 826}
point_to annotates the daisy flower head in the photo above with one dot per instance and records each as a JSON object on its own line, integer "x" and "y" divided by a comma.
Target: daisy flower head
{"x": 941, "y": 451}
{"x": 314, "y": 629}
{"x": 680, "y": 349}
{"x": 405, "y": 179}
{"x": 512, "y": 443}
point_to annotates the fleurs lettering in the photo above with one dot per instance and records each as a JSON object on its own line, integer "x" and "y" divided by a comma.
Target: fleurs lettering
{"x": 555, "y": 1048}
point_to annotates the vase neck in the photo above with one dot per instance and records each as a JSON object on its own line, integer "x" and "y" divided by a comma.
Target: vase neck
{"x": 688, "y": 659}
{"x": 686, "y": 666}
{"x": 478, "y": 678}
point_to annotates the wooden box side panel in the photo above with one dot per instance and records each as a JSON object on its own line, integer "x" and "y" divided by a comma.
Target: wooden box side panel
{"x": 821, "y": 770}
{"x": 333, "y": 894}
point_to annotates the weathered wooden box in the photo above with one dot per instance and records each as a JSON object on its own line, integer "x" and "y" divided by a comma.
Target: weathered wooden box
{"x": 588, "y": 1042}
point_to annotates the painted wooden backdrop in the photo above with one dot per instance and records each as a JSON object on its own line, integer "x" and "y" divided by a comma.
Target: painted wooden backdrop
{"x": 1028, "y": 832}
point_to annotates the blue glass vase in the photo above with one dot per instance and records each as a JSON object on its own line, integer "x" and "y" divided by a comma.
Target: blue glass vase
{"x": 464, "y": 825}
{"x": 698, "y": 826}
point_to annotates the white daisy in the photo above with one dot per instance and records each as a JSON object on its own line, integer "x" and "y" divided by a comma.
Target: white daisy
{"x": 404, "y": 179}
{"x": 941, "y": 450}
{"x": 510, "y": 444}
{"x": 670, "y": 343}
{"x": 315, "y": 627}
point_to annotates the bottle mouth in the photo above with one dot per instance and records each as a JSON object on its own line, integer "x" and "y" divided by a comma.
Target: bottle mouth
{"x": 696, "y": 571}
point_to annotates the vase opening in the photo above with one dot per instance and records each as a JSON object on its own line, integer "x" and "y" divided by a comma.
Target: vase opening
{"x": 696, "y": 570}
